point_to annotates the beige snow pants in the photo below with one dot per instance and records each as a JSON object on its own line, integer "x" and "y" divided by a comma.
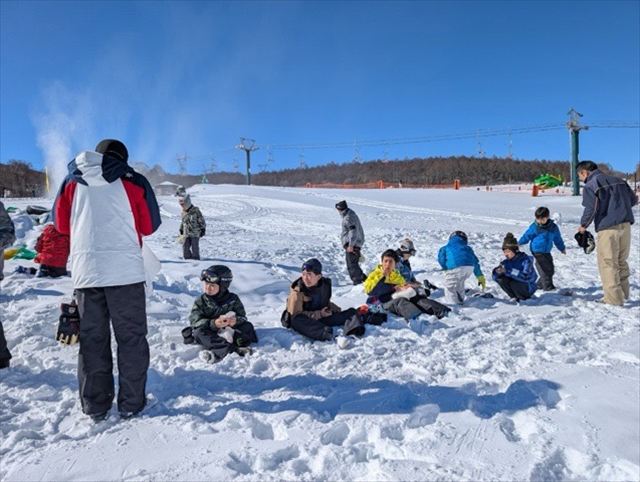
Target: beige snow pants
{"x": 613, "y": 245}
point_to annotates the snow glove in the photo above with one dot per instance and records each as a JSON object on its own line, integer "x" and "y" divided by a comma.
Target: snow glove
{"x": 68, "y": 324}
{"x": 586, "y": 241}
{"x": 482, "y": 282}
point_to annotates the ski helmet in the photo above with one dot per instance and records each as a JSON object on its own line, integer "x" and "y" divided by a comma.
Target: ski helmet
{"x": 407, "y": 247}
{"x": 218, "y": 274}
{"x": 461, "y": 234}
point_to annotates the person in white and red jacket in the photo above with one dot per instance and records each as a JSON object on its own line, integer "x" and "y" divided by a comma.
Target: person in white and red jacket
{"x": 106, "y": 208}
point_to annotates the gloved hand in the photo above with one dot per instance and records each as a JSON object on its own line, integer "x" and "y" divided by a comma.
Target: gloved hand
{"x": 69, "y": 324}
{"x": 482, "y": 281}
{"x": 181, "y": 230}
{"x": 202, "y": 232}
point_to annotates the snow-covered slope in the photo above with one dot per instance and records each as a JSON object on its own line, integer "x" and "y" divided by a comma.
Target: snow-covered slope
{"x": 544, "y": 390}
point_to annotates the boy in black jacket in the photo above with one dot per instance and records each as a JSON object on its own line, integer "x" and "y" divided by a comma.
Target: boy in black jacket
{"x": 218, "y": 319}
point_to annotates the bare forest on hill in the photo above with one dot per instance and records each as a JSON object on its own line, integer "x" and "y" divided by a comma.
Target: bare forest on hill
{"x": 19, "y": 179}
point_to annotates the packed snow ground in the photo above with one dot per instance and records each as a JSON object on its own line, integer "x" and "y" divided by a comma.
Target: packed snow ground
{"x": 544, "y": 390}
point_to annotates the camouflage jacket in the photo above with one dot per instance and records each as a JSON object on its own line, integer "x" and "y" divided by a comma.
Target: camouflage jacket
{"x": 193, "y": 224}
{"x": 208, "y": 308}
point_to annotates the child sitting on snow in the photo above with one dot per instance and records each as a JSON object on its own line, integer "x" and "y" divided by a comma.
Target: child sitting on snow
{"x": 310, "y": 310}
{"x": 459, "y": 261}
{"x": 515, "y": 274}
{"x": 53, "y": 252}
{"x": 218, "y": 320}
{"x": 543, "y": 234}
{"x": 388, "y": 288}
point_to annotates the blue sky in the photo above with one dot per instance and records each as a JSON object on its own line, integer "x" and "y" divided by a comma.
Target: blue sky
{"x": 171, "y": 78}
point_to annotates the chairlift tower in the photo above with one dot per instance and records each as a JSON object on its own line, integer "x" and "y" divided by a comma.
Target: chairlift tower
{"x": 574, "y": 126}
{"x": 248, "y": 146}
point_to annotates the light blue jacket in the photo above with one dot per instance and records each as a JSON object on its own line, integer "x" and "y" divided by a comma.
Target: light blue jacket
{"x": 543, "y": 237}
{"x": 458, "y": 253}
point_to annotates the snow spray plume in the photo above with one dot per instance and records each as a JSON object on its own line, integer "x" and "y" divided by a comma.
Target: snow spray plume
{"x": 65, "y": 116}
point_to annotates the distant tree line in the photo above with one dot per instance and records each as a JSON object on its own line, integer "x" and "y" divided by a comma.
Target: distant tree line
{"x": 424, "y": 171}
{"x": 19, "y": 179}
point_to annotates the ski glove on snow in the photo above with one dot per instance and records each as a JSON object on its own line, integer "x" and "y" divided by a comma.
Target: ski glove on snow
{"x": 68, "y": 324}
{"x": 482, "y": 281}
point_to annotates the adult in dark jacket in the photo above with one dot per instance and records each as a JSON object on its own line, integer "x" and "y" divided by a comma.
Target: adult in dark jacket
{"x": 192, "y": 228}
{"x": 352, "y": 238}
{"x": 608, "y": 202}
{"x": 106, "y": 208}
{"x": 310, "y": 311}
{"x": 7, "y": 237}
{"x": 53, "y": 252}
{"x": 515, "y": 274}
{"x": 385, "y": 286}
{"x": 218, "y": 318}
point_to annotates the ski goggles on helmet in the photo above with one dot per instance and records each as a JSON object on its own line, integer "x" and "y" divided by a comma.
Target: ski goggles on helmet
{"x": 209, "y": 277}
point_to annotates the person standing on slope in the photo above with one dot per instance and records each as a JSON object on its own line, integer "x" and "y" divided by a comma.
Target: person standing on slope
{"x": 106, "y": 208}
{"x": 192, "y": 228}
{"x": 608, "y": 202}
{"x": 352, "y": 238}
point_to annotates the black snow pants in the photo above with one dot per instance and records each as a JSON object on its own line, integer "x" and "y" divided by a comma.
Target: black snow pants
{"x": 321, "y": 329}
{"x": 514, "y": 289}
{"x": 353, "y": 266}
{"x": 544, "y": 265}
{"x": 5, "y": 355}
{"x": 244, "y": 335}
{"x": 410, "y": 309}
{"x": 125, "y": 307}
{"x": 191, "y": 248}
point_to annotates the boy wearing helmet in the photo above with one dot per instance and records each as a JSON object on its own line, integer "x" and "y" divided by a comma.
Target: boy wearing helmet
{"x": 458, "y": 261}
{"x": 218, "y": 319}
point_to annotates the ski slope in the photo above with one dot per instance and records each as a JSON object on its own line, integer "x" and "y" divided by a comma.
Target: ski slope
{"x": 544, "y": 390}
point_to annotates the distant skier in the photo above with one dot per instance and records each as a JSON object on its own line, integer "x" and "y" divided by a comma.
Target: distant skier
{"x": 459, "y": 261}
{"x": 218, "y": 319}
{"x": 352, "y": 238}
{"x": 192, "y": 228}
{"x": 608, "y": 202}
{"x": 106, "y": 207}
{"x": 53, "y": 252}
{"x": 387, "y": 288}
{"x": 515, "y": 274}
{"x": 543, "y": 234}
{"x": 7, "y": 237}
{"x": 310, "y": 311}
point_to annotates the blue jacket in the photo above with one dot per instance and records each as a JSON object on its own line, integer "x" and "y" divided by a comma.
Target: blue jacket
{"x": 404, "y": 267}
{"x": 607, "y": 201}
{"x": 519, "y": 268}
{"x": 543, "y": 237}
{"x": 458, "y": 253}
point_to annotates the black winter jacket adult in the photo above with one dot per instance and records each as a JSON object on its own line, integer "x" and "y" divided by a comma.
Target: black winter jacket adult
{"x": 607, "y": 201}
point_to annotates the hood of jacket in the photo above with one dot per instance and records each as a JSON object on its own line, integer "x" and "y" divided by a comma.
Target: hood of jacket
{"x": 95, "y": 169}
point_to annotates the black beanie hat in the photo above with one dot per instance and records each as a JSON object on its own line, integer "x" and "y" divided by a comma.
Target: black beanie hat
{"x": 510, "y": 242}
{"x": 312, "y": 265}
{"x": 342, "y": 205}
{"x": 113, "y": 147}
